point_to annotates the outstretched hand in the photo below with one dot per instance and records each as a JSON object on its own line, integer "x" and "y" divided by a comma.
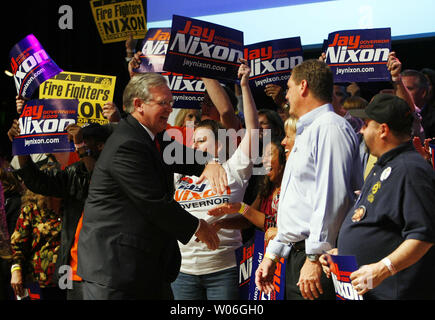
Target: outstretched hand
{"x": 207, "y": 234}
{"x": 225, "y": 208}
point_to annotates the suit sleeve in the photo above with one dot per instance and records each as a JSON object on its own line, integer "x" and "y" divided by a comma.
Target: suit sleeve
{"x": 143, "y": 180}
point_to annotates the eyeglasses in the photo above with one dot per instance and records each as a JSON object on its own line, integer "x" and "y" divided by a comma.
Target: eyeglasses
{"x": 200, "y": 140}
{"x": 163, "y": 103}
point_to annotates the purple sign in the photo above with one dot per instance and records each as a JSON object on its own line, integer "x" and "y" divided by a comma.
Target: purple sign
{"x": 203, "y": 49}
{"x": 272, "y": 62}
{"x": 42, "y": 126}
{"x": 31, "y": 66}
{"x": 341, "y": 268}
{"x": 154, "y": 48}
{"x": 359, "y": 55}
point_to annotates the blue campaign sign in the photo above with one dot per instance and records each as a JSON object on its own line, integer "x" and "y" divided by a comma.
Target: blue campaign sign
{"x": 248, "y": 258}
{"x": 42, "y": 126}
{"x": 341, "y": 268}
{"x": 244, "y": 256}
{"x": 31, "y": 65}
{"x": 272, "y": 62}
{"x": 359, "y": 55}
{"x": 154, "y": 48}
{"x": 203, "y": 49}
{"x": 187, "y": 91}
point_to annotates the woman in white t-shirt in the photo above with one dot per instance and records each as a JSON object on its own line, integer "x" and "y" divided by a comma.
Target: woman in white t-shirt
{"x": 206, "y": 274}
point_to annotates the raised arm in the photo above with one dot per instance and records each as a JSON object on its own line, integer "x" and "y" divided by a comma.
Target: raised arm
{"x": 249, "y": 107}
{"x": 222, "y": 103}
{"x": 395, "y": 67}
{"x": 250, "y": 142}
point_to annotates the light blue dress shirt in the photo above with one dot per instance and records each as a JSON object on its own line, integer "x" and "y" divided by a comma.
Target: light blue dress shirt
{"x": 321, "y": 175}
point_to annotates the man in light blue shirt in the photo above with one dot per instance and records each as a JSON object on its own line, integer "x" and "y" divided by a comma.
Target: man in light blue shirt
{"x": 317, "y": 189}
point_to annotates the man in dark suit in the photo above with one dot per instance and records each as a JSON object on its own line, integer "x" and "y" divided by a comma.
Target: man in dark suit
{"x": 128, "y": 243}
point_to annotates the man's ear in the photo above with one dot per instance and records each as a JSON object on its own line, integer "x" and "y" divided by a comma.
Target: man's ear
{"x": 303, "y": 88}
{"x": 137, "y": 103}
{"x": 384, "y": 130}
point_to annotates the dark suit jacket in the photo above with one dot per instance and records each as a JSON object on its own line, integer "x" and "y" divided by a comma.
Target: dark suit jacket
{"x": 131, "y": 222}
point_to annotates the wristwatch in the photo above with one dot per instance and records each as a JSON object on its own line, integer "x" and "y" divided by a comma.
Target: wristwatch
{"x": 215, "y": 160}
{"x": 313, "y": 257}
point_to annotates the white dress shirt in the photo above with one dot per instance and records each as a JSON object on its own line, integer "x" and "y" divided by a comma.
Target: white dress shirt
{"x": 320, "y": 177}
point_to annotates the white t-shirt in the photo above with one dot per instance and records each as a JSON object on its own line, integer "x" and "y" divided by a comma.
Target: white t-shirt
{"x": 197, "y": 199}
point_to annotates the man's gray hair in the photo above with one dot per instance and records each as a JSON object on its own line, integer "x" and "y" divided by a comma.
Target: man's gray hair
{"x": 138, "y": 87}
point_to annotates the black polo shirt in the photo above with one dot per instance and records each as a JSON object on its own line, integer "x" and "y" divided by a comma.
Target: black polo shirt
{"x": 397, "y": 203}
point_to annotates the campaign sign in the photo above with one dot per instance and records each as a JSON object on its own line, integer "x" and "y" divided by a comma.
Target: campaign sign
{"x": 203, "y": 49}
{"x": 341, "y": 267}
{"x": 248, "y": 259}
{"x": 32, "y": 291}
{"x": 244, "y": 256}
{"x": 359, "y": 55}
{"x": 272, "y": 62}
{"x": 42, "y": 126}
{"x": 92, "y": 91}
{"x": 187, "y": 91}
{"x": 116, "y": 20}
{"x": 31, "y": 65}
{"x": 154, "y": 48}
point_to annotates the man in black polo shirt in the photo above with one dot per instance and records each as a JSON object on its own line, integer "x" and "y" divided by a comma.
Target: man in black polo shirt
{"x": 391, "y": 228}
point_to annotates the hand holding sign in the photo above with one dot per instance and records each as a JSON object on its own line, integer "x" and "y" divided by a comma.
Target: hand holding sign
{"x": 111, "y": 112}
{"x": 394, "y": 66}
{"x": 74, "y": 133}
{"x": 325, "y": 261}
{"x": 31, "y": 66}
{"x": 369, "y": 276}
{"x": 134, "y": 63}
{"x": 276, "y": 92}
{"x": 243, "y": 72}
{"x": 20, "y": 101}
{"x": 14, "y": 131}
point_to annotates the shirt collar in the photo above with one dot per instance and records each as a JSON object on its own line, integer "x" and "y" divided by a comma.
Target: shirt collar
{"x": 309, "y": 117}
{"x": 152, "y": 135}
{"x": 390, "y": 155}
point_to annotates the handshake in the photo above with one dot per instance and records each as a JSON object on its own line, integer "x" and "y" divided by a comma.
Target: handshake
{"x": 208, "y": 234}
